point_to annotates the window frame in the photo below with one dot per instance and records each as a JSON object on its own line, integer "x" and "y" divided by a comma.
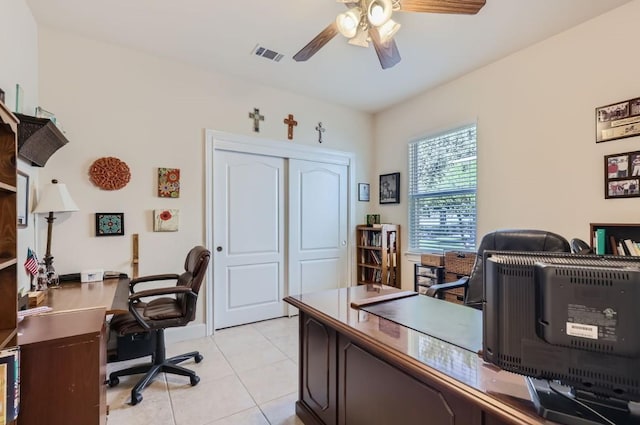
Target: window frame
{"x": 464, "y": 211}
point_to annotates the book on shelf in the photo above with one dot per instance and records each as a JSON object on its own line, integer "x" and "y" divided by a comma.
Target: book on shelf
{"x": 600, "y": 241}
{"x": 631, "y": 248}
{"x": 10, "y": 384}
{"x": 609, "y": 244}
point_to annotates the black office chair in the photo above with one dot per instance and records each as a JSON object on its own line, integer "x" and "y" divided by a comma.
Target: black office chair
{"x": 578, "y": 246}
{"x": 499, "y": 240}
{"x": 176, "y": 307}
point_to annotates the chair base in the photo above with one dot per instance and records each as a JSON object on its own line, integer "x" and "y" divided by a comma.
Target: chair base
{"x": 159, "y": 364}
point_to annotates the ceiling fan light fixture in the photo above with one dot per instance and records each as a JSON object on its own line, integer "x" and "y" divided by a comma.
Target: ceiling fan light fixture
{"x": 348, "y": 22}
{"x": 379, "y": 12}
{"x": 388, "y": 30}
{"x": 361, "y": 38}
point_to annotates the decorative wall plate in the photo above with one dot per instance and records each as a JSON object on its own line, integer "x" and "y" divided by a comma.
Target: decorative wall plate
{"x": 109, "y": 173}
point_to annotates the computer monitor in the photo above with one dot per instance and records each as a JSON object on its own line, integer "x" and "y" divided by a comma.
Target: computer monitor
{"x": 571, "y": 324}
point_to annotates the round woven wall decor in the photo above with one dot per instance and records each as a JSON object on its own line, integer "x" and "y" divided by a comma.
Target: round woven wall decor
{"x": 109, "y": 173}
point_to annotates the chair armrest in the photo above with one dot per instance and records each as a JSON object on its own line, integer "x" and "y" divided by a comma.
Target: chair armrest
{"x": 151, "y": 278}
{"x": 437, "y": 291}
{"x": 135, "y": 299}
{"x": 160, "y": 291}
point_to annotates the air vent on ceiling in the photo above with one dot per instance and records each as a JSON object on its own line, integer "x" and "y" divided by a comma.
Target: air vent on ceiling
{"x": 267, "y": 53}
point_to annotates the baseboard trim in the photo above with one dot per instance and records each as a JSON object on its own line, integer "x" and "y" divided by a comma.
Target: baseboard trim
{"x": 185, "y": 333}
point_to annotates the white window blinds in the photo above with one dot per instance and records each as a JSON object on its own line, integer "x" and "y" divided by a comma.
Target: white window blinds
{"x": 442, "y": 191}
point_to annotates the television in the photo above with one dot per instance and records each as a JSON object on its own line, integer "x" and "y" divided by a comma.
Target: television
{"x": 570, "y": 324}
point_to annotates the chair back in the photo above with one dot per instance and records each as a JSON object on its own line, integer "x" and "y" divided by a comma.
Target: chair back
{"x": 578, "y": 246}
{"x": 195, "y": 266}
{"x": 509, "y": 240}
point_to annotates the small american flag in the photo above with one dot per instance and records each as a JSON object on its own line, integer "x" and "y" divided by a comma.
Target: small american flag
{"x": 31, "y": 264}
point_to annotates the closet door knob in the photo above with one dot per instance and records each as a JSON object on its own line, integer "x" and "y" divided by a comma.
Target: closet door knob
{"x": 219, "y": 249}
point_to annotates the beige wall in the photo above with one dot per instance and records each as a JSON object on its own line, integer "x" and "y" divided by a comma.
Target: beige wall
{"x": 19, "y": 65}
{"x": 19, "y": 47}
{"x": 538, "y": 163}
{"x": 152, "y": 112}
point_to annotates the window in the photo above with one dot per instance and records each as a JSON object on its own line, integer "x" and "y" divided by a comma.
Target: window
{"x": 442, "y": 191}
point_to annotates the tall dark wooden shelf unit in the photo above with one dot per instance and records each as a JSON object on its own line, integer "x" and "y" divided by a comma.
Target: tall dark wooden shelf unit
{"x": 8, "y": 230}
{"x": 378, "y": 254}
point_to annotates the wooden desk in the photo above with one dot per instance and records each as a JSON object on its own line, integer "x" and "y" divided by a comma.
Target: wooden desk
{"x": 355, "y": 367}
{"x": 63, "y": 368}
{"x": 111, "y": 294}
{"x": 64, "y": 356}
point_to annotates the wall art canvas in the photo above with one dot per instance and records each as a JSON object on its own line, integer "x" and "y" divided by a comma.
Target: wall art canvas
{"x": 109, "y": 224}
{"x": 169, "y": 182}
{"x": 166, "y": 220}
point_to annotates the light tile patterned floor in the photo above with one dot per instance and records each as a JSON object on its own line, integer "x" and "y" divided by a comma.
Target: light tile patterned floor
{"x": 249, "y": 376}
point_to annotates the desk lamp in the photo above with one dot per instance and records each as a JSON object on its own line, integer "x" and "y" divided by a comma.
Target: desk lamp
{"x": 54, "y": 198}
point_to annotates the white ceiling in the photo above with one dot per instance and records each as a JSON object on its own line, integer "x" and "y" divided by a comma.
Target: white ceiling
{"x": 220, "y": 36}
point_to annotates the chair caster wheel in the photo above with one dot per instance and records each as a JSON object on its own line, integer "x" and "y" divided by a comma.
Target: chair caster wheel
{"x": 114, "y": 381}
{"x": 198, "y": 358}
{"x": 194, "y": 380}
{"x": 136, "y": 398}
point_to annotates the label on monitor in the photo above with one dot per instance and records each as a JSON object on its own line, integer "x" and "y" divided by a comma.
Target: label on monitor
{"x": 582, "y": 331}
{"x": 591, "y": 322}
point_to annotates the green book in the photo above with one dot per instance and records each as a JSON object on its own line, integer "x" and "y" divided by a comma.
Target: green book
{"x": 601, "y": 242}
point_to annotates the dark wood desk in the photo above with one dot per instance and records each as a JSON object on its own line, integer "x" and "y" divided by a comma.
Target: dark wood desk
{"x": 355, "y": 367}
{"x": 110, "y": 294}
{"x": 63, "y": 354}
{"x": 63, "y": 368}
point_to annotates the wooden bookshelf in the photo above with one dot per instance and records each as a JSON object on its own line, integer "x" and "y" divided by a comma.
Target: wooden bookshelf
{"x": 378, "y": 254}
{"x": 8, "y": 228}
{"x": 617, "y": 231}
{"x": 8, "y": 231}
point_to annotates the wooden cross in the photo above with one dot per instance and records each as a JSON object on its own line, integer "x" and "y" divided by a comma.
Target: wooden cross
{"x": 256, "y": 117}
{"x": 320, "y": 129}
{"x": 289, "y": 121}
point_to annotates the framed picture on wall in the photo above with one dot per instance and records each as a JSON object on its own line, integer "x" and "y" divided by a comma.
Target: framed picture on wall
{"x": 618, "y": 120}
{"x": 109, "y": 224}
{"x": 363, "y": 192}
{"x": 23, "y": 199}
{"x": 390, "y": 188}
{"x": 622, "y": 175}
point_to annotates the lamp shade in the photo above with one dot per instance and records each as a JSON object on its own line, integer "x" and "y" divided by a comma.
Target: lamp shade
{"x": 379, "y": 12}
{"x": 348, "y": 21}
{"x": 388, "y": 30}
{"x": 56, "y": 198}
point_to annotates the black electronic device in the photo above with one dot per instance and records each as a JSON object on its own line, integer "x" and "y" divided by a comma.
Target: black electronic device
{"x": 572, "y": 320}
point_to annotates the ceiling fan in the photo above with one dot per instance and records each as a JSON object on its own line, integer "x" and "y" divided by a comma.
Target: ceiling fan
{"x": 370, "y": 20}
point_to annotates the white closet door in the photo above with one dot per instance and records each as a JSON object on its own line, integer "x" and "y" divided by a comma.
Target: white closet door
{"x": 318, "y": 257}
{"x": 249, "y": 261}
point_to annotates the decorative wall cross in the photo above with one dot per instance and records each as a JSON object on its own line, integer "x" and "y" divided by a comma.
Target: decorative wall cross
{"x": 256, "y": 117}
{"x": 320, "y": 129}
{"x": 289, "y": 121}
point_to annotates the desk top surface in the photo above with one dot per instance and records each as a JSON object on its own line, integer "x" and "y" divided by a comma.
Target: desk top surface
{"x": 110, "y": 294}
{"x": 435, "y": 356}
{"x": 67, "y": 324}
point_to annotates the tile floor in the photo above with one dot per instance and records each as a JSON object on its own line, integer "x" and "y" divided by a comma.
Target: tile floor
{"x": 249, "y": 376}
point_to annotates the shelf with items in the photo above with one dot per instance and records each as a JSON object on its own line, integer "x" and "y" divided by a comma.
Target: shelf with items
{"x": 377, "y": 254}
{"x": 425, "y": 276}
{"x": 8, "y": 228}
{"x": 615, "y": 238}
{"x": 444, "y": 268}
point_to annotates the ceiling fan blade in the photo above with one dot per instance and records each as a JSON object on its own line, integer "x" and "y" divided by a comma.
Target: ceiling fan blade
{"x": 388, "y": 53}
{"x": 317, "y": 43}
{"x": 469, "y": 7}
